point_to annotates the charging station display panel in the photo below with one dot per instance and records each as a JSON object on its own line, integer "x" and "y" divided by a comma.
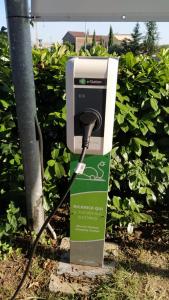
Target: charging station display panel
{"x": 90, "y": 99}
{"x": 99, "y": 10}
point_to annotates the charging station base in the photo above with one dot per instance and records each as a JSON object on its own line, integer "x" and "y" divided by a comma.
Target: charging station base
{"x": 73, "y": 279}
{"x": 85, "y": 256}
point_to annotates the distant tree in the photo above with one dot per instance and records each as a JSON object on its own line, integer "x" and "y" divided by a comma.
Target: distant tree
{"x": 94, "y": 38}
{"x": 118, "y": 49}
{"x": 101, "y": 41}
{"x": 165, "y": 46}
{"x": 86, "y": 39}
{"x": 135, "y": 43}
{"x": 125, "y": 45}
{"x": 110, "y": 40}
{"x": 4, "y": 46}
{"x": 3, "y": 29}
{"x": 151, "y": 38}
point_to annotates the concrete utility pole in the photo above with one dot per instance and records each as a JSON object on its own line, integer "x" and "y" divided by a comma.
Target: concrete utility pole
{"x": 22, "y": 70}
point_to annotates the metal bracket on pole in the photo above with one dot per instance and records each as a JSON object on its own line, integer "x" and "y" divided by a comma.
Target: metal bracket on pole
{"x": 22, "y": 70}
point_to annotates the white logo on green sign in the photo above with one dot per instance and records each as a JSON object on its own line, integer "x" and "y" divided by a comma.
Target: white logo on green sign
{"x": 94, "y": 174}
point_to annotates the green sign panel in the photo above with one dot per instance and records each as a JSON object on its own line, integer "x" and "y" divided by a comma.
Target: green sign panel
{"x": 88, "y": 208}
{"x": 88, "y": 212}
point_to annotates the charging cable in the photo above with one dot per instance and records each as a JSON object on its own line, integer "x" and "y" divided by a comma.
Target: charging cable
{"x": 88, "y": 122}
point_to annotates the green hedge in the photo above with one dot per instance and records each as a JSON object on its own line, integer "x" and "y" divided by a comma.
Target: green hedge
{"x": 139, "y": 168}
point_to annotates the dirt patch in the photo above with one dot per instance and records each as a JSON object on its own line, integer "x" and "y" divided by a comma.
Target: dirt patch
{"x": 142, "y": 269}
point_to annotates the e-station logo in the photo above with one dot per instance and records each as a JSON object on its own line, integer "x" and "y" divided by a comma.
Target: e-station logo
{"x": 90, "y": 81}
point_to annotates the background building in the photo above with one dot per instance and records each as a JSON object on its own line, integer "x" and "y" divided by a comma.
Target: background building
{"x": 79, "y": 39}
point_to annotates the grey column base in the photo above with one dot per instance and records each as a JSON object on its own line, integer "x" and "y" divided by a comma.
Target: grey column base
{"x": 90, "y": 253}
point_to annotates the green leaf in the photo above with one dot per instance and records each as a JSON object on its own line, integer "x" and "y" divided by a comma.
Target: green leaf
{"x": 66, "y": 156}
{"x": 55, "y": 153}
{"x": 124, "y": 128}
{"x": 4, "y": 103}
{"x": 137, "y": 149}
{"x": 2, "y": 128}
{"x": 22, "y": 221}
{"x": 161, "y": 188}
{"x": 142, "y": 190}
{"x": 120, "y": 97}
{"x": 7, "y": 228}
{"x": 130, "y": 60}
{"x": 166, "y": 109}
{"x": 139, "y": 141}
{"x": 146, "y": 217}
{"x": 17, "y": 158}
{"x": 137, "y": 217}
{"x": 116, "y": 202}
{"x": 166, "y": 128}
{"x": 116, "y": 215}
{"x": 124, "y": 153}
{"x": 120, "y": 118}
{"x": 143, "y": 128}
{"x": 113, "y": 152}
{"x": 50, "y": 87}
{"x": 43, "y": 56}
{"x": 47, "y": 174}
{"x": 154, "y": 104}
{"x": 155, "y": 95}
{"x": 133, "y": 182}
{"x": 150, "y": 126}
{"x": 45, "y": 204}
{"x": 122, "y": 107}
{"x": 59, "y": 170}
{"x": 117, "y": 184}
{"x": 51, "y": 163}
{"x": 12, "y": 161}
{"x": 133, "y": 205}
{"x": 151, "y": 197}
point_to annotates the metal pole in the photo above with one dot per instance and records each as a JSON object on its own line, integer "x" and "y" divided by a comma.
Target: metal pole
{"x": 22, "y": 70}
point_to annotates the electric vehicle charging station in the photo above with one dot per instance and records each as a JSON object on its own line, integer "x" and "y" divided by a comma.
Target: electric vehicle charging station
{"x": 90, "y": 90}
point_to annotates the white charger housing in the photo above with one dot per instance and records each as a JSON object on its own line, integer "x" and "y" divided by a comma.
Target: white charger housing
{"x": 91, "y": 86}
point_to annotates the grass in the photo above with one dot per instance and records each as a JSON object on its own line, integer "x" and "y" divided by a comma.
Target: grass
{"x": 141, "y": 273}
{"x": 128, "y": 285}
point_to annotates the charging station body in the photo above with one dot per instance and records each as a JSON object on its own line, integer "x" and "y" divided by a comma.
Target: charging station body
{"x": 91, "y": 87}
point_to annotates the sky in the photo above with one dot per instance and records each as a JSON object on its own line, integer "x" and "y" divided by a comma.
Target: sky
{"x": 52, "y": 32}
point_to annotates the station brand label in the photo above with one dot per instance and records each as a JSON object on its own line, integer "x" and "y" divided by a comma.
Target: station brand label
{"x": 90, "y": 81}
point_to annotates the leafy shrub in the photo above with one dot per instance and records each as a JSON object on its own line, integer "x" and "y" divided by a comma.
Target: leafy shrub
{"x": 127, "y": 211}
{"x": 139, "y": 166}
{"x": 10, "y": 226}
{"x": 11, "y": 170}
{"x": 49, "y": 71}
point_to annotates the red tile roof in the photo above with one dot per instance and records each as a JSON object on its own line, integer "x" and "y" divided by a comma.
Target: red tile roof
{"x": 77, "y": 33}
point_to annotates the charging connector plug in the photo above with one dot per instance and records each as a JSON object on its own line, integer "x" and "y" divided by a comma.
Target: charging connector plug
{"x": 88, "y": 121}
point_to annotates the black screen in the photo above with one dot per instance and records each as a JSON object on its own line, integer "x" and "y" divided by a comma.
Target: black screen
{"x": 86, "y": 98}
